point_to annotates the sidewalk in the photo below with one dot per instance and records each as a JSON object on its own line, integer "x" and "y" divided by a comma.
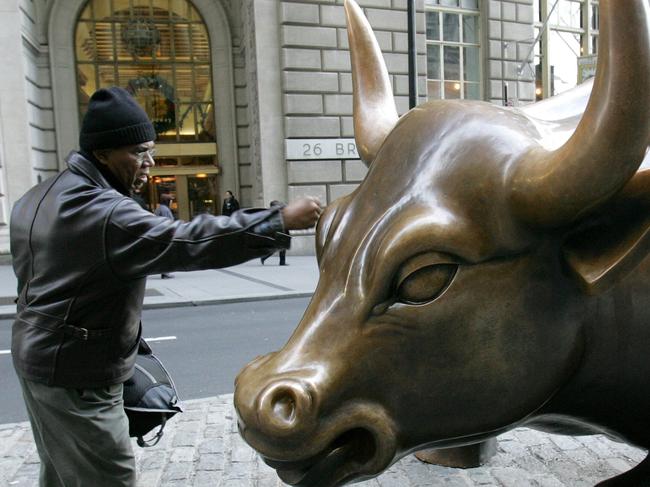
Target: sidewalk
{"x": 245, "y": 282}
{"x": 201, "y": 447}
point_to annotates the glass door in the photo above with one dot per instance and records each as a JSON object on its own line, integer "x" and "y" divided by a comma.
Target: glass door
{"x": 203, "y": 194}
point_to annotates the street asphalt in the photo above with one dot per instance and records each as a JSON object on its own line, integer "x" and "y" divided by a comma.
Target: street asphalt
{"x": 201, "y": 447}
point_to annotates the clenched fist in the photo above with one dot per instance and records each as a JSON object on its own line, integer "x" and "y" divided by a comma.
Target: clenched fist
{"x": 302, "y": 213}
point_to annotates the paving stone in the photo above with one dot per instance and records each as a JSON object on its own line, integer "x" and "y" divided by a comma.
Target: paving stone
{"x": 213, "y": 445}
{"x": 530, "y": 464}
{"x": 512, "y": 477}
{"x": 512, "y": 446}
{"x": 600, "y": 448}
{"x": 149, "y": 478}
{"x": 211, "y": 461}
{"x": 240, "y": 451}
{"x": 568, "y": 472}
{"x": 185, "y": 438}
{"x": 190, "y": 416}
{"x": 177, "y": 471}
{"x": 213, "y": 431}
{"x": 547, "y": 481}
{"x": 393, "y": 478}
{"x": 628, "y": 452}
{"x": 619, "y": 464}
{"x": 207, "y": 479}
{"x": 153, "y": 461}
{"x": 565, "y": 442}
{"x": 183, "y": 454}
{"x": 480, "y": 477}
{"x": 176, "y": 483}
{"x": 266, "y": 476}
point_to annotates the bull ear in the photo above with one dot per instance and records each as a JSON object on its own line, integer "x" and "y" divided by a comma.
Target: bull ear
{"x": 612, "y": 244}
{"x": 374, "y": 109}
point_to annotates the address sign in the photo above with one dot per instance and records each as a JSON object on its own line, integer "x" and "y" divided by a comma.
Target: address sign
{"x": 303, "y": 149}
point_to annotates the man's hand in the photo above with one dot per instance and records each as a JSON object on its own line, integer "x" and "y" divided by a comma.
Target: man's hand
{"x": 302, "y": 213}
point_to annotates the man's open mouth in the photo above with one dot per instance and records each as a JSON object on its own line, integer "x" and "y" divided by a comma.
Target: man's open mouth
{"x": 140, "y": 180}
{"x": 342, "y": 460}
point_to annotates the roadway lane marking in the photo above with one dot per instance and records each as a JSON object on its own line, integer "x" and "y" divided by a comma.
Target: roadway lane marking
{"x": 152, "y": 339}
{"x": 159, "y": 339}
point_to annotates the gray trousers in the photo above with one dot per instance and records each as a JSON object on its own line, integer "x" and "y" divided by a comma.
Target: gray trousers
{"x": 82, "y": 435}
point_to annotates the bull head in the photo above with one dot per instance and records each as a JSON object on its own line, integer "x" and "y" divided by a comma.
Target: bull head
{"x": 455, "y": 293}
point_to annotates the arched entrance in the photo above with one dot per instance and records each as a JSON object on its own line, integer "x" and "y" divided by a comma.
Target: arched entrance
{"x": 174, "y": 56}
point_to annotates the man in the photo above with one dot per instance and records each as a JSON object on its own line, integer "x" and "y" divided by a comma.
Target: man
{"x": 82, "y": 249}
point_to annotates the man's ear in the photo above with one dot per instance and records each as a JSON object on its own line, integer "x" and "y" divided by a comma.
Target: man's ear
{"x": 612, "y": 243}
{"x": 101, "y": 155}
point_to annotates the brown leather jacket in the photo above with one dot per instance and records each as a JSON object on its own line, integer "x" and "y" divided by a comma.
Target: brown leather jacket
{"x": 82, "y": 250}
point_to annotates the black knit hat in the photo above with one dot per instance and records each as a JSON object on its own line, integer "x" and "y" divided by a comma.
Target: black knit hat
{"x": 114, "y": 119}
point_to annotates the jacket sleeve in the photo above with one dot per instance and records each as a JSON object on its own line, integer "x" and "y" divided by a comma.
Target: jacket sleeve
{"x": 138, "y": 243}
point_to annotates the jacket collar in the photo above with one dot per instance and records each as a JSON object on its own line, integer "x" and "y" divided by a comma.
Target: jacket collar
{"x": 79, "y": 164}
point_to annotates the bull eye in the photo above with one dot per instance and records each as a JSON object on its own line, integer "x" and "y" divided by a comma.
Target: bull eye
{"x": 425, "y": 284}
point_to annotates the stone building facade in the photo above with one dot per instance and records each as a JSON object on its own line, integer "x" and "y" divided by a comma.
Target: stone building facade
{"x": 281, "y": 91}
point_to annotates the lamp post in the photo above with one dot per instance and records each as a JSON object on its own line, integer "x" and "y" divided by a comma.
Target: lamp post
{"x": 412, "y": 54}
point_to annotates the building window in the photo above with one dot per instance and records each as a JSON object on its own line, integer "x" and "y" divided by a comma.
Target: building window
{"x": 567, "y": 34}
{"x": 453, "y": 49}
{"x": 159, "y": 51}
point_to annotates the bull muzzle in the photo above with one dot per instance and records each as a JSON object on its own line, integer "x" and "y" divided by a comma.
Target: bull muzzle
{"x": 282, "y": 416}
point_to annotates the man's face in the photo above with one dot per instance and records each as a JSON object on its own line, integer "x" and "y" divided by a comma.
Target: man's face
{"x": 129, "y": 164}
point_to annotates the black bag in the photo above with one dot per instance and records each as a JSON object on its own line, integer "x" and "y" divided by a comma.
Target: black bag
{"x": 150, "y": 396}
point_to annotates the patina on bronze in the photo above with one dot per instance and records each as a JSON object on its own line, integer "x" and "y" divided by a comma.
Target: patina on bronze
{"x": 490, "y": 272}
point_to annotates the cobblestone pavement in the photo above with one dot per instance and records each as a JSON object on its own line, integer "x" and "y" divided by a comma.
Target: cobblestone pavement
{"x": 202, "y": 448}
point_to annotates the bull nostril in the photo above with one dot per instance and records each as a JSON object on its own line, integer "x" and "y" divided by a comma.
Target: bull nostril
{"x": 284, "y": 407}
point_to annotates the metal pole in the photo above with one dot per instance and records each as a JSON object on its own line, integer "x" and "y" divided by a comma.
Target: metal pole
{"x": 413, "y": 75}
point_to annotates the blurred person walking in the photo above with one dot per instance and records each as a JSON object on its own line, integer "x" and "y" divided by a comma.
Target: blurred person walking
{"x": 165, "y": 211}
{"x": 282, "y": 252}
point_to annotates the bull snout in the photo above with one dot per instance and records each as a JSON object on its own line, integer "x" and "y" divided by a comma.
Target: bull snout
{"x": 310, "y": 441}
{"x": 273, "y": 406}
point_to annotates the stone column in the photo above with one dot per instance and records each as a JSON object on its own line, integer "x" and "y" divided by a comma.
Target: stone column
{"x": 271, "y": 167}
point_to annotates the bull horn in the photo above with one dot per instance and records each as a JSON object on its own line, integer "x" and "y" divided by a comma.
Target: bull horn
{"x": 554, "y": 188}
{"x": 375, "y": 114}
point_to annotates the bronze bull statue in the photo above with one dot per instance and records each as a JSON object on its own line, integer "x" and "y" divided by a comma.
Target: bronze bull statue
{"x": 490, "y": 272}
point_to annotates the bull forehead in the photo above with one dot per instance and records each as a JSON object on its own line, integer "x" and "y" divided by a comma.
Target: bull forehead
{"x": 454, "y": 148}
{"x": 442, "y": 175}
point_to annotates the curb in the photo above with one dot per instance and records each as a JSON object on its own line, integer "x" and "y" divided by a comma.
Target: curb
{"x": 229, "y": 300}
{"x": 10, "y": 315}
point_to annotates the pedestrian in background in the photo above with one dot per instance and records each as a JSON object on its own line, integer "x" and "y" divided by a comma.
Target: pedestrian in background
{"x": 282, "y": 252}
{"x": 165, "y": 211}
{"x": 82, "y": 248}
{"x": 230, "y": 204}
